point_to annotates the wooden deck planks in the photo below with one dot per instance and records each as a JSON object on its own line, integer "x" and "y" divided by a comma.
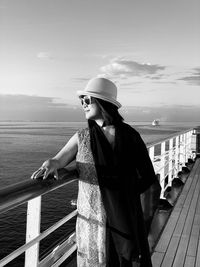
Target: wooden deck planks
{"x": 189, "y": 261}
{"x": 179, "y": 244}
{"x": 157, "y": 259}
{"x": 193, "y": 243}
{"x": 171, "y": 252}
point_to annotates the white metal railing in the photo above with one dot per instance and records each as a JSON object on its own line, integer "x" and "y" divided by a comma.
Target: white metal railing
{"x": 168, "y": 157}
{"x": 31, "y": 192}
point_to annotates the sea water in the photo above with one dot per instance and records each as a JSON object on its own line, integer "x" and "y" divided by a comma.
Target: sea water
{"x": 23, "y": 148}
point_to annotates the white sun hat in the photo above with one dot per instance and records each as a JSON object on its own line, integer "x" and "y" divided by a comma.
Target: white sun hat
{"x": 101, "y": 88}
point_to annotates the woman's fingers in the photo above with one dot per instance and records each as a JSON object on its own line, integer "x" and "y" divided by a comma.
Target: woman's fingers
{"x": 56, "y": 174}
{"x": 37, "y": 173}
{"x": 46, "y": 173}
{"x": 45, "y": 170}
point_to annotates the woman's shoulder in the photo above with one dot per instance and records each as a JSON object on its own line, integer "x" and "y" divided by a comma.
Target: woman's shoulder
{"x": 83, "y": 130}
{"x": 132, "y": 135}
{"x": 130, "y": 129}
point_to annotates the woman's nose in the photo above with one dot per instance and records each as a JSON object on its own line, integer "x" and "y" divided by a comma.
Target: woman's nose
{"x": 84, "y": 105}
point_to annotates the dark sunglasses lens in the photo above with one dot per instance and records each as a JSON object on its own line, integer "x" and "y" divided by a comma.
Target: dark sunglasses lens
{"x": 86, "y": 100}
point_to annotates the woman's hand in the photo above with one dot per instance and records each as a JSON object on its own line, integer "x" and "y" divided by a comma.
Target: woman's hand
{"x": 61, "y": 159}
{"x": 50, "y": 166}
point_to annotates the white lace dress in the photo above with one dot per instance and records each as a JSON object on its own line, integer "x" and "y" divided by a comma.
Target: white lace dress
{"x": 91, "y": 219}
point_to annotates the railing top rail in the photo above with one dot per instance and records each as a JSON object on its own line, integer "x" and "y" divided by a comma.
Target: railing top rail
{"x": 17, "y": 194}
{"x": 170, "y": 137}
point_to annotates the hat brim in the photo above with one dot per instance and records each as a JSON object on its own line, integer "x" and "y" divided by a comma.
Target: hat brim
{"x": 113, "y": 101}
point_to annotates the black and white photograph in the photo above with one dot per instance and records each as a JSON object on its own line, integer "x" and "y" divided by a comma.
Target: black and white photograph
{"x": 99, "y": 133}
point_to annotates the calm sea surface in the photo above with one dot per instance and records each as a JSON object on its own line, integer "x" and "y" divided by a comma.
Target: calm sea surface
{"x": 23, "y": 147}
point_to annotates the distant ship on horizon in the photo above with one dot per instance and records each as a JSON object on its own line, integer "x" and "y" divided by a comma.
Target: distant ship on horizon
{"x": 155, "y": 122}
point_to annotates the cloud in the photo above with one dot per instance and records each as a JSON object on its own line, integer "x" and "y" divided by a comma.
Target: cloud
{"x": 37, "y": 108}
{"x": 165, "y": 82}
{"x": 166, "y": 113}
{"x": 197, "y": 70}
{"x": 124, "y": 68}
{"x": 26, "y": 102}
{"x": 157, "y": 77}
{"x": 44, "y": 56}
{"x": 80, "y": 79}
{"x": 193, "y": 79}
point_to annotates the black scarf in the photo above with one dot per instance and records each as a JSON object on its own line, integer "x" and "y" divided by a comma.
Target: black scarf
{"x": 121, "y": 187}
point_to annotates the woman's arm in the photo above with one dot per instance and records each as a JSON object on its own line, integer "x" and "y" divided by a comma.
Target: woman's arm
{"x": 67, "y": 153}
{"x": 60, "y": 160}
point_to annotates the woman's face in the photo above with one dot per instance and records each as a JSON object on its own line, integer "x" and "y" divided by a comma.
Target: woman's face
{"x": 90, "y": 107}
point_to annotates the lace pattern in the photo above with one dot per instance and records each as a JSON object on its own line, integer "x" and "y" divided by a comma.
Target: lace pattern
{"x": 91, "y": 219}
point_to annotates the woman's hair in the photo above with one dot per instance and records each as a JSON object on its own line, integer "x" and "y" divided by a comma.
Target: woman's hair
{"x": 109, "y": 112}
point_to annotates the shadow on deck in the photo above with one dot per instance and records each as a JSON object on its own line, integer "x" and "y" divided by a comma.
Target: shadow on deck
{"x": 174, "y": 233}
{"x": 166, "y": 220}
{"x": 179, "y": 244}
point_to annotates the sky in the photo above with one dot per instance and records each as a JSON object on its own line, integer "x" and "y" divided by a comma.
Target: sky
{"x": 50, "y": 49}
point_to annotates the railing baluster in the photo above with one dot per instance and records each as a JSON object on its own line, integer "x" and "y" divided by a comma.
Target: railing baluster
{"x": 166, "y": 163}
{"x": 194, "y": 143}
{"x": 32, "y": 231}
{"x": 170, "y": 164}
{"x": 181, "y": 150}
{"x": 184, "y": 148}
{"x": 151, "y": 153}
{"x": 162, "y": 171}
{"x": 189, "y": 151}
{"x": 177, "y": 155}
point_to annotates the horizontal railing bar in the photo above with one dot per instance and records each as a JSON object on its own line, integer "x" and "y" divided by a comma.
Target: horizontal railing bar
{"x": 170, "y": 137}
{"x": 24, "y": 247}
{"x": 64, "y": 246}
{"x": 165, "y": 154}
{"x": 17, "y": 194}
{"x": 65, "y": 256}
{"x": 165, "y": 165}
{"x": 167, "y": 174}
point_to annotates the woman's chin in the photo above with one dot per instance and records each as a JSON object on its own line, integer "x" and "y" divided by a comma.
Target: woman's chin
{"x": 87, "y": 116}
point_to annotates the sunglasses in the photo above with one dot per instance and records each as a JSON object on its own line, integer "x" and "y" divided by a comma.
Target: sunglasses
{"x": 86, "y": 100}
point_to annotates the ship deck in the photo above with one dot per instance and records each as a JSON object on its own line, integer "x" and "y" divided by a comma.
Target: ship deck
{"x": 179, "y": 243}
{"x": 174, "y": 236}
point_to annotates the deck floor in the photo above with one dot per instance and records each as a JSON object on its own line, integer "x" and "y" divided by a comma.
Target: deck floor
{"x": 179, "y": 243}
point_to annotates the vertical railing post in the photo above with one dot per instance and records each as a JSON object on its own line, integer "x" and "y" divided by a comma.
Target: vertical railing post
{"x": 190, "y": 144}
{"x": 151, "y": 153}
{"x": 185, "y": 148}
{"x": 32, "y": 231}
{"x": 186, "y": 143}
{"x": 177, "y": 154}
{"x": 162, "y": 171}
{"x": 170, "y": 165}
{"x": 181, "y": 150}
{"x": 193, "y": 143}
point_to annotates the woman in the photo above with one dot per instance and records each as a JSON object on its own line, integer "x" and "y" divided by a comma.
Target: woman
{"x": 114, "y": 169}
